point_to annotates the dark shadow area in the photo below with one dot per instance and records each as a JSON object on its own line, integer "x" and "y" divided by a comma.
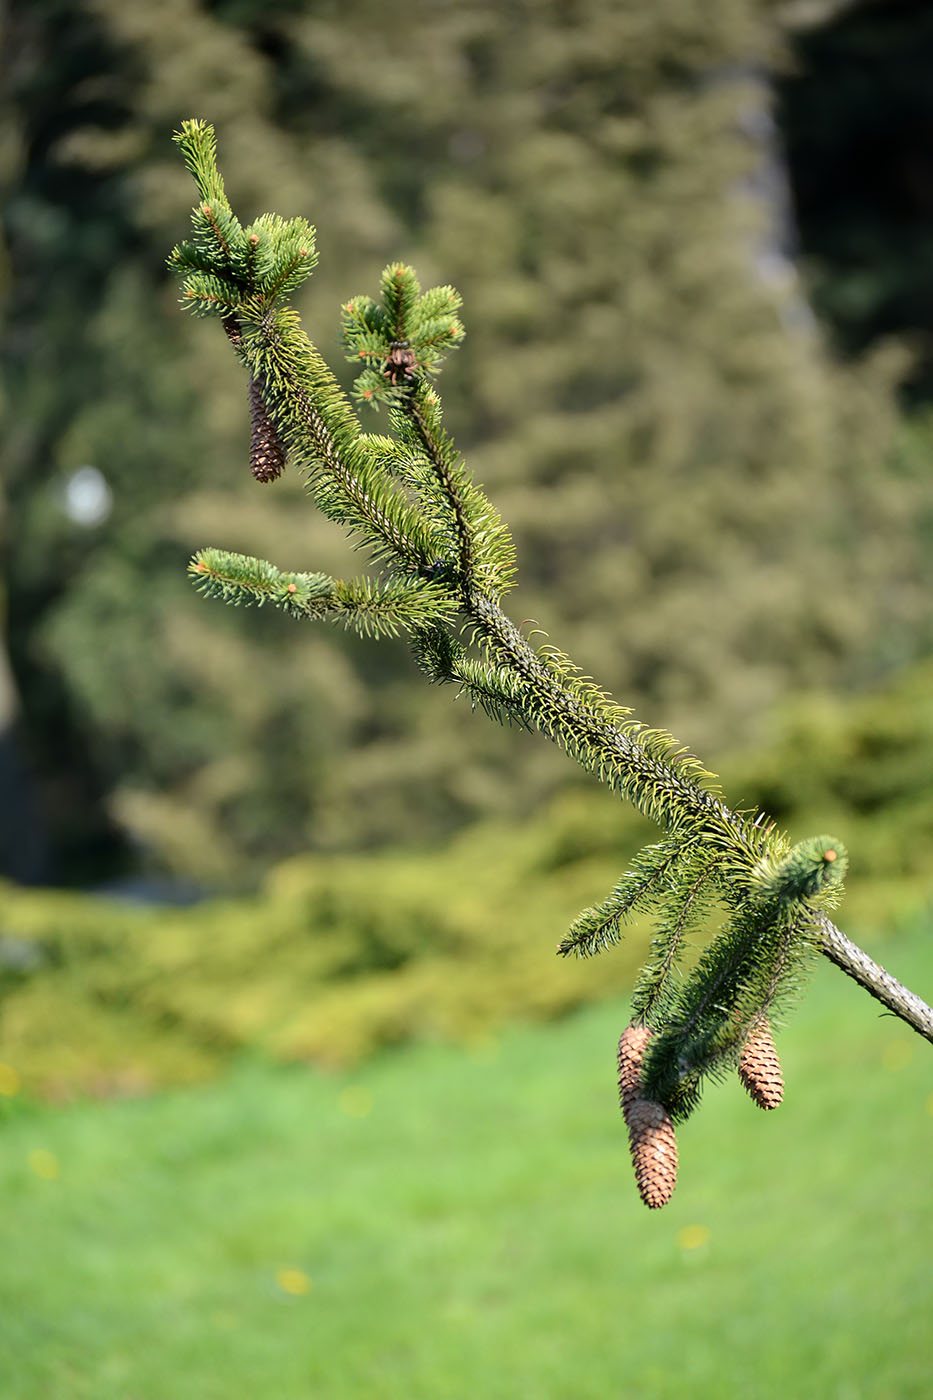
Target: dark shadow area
{"x": 24, "y": 850}
{"x": 857, "y": 116}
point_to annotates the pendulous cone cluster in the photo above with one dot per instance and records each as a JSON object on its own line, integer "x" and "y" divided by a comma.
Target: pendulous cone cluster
{"x": 760, "y": 1068}
{"x": 652, "y": 1141}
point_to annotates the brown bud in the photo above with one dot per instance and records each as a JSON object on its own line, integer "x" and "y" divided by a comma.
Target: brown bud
{"x": 632, "y": 1045}
{"x": 760, "y": 1068}
{"x": 654, "y": 1151}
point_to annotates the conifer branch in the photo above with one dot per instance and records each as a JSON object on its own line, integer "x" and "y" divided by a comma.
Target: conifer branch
{"x": 361, "y": 500}
{"x": 652, "y": 997}
{"x": 599, "y": 928}
{"x": 855, "y": 963}
{"x": 372, "y": 607}
{"x": 603, "y": 739}
{"x": 736, "y": 980}
{"x": 411, "y": 499}
{"x": 438, "y": 455}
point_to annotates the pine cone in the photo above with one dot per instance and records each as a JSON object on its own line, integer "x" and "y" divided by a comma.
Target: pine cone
{"x": 632, "y": 1045}
{"x": 654, "y": 1151}
{"x": 266, "y": 449}
{"x": 760, "y": 1068}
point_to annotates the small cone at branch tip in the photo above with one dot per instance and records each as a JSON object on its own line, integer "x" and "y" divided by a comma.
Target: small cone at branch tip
{"x": 654, "y": 1151}
{"x": 266, "y": 450}
{"x": 632, "y": 1045}
{"x": 760, "y": 1068}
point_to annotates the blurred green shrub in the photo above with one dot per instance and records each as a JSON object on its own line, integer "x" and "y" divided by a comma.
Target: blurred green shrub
{"x": 336, "y": 957}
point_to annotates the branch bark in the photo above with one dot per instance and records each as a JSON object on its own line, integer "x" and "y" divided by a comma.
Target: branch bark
{"x": 855, "y": 963}
{"x": 493, "y": 623}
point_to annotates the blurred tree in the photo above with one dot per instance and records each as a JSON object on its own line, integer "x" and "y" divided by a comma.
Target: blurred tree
{"x": 702, "y": 495}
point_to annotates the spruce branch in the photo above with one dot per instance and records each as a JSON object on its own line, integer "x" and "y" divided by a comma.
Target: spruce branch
{"x": 402, "y": 341}
{"x": 375, "y": 608}
{"x": 325, "y": 439}
{"x": 684, "y": 910}
{"x": 409, "y": 497}
{"x": 600, "y": 927}
{"x": 739, "y": 977}
{"x": 855, "y": 963}
{"x": 437, "y": 449}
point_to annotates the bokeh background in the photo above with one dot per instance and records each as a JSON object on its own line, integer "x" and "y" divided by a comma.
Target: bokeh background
{"x": 695, "y": 244}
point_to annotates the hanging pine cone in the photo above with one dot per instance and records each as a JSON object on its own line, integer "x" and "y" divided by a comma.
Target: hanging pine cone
{"x": 632, "y": 1045}
{"x": 266, "y": 449}
{"x": 760, "y": 1068}
{"x": 654, "y": 1151}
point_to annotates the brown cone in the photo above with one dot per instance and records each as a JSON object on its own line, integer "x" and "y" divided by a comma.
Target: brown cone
{"x": 632, "y": 1045}
{"x": 760, "y": 1068}
{"x": 266, "y": 449}
{"x": 654, "y": 1151}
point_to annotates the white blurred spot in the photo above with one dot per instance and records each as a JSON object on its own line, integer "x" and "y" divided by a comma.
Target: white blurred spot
{"x": 88, "y": 498}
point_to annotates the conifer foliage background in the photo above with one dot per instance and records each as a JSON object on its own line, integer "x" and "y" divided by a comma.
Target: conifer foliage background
{"x": 708, "y": 508}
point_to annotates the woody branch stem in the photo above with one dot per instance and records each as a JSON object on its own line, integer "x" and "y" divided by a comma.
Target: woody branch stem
{"x": 515, "y": 652}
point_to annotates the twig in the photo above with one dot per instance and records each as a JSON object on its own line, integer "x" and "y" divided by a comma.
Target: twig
{"x": 834, "y": 945}
{"x": 856, "y": 963}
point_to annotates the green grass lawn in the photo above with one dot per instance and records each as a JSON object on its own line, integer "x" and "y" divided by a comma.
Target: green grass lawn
{"x": 454, "y": 1224}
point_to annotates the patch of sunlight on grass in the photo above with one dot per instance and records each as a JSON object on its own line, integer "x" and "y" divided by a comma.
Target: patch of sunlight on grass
{"x": 293, "y": 1281}
{"x": 693, "y": 1236}
{"x": 356, "y": 1102}
{"x": 44, "y": 1164}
